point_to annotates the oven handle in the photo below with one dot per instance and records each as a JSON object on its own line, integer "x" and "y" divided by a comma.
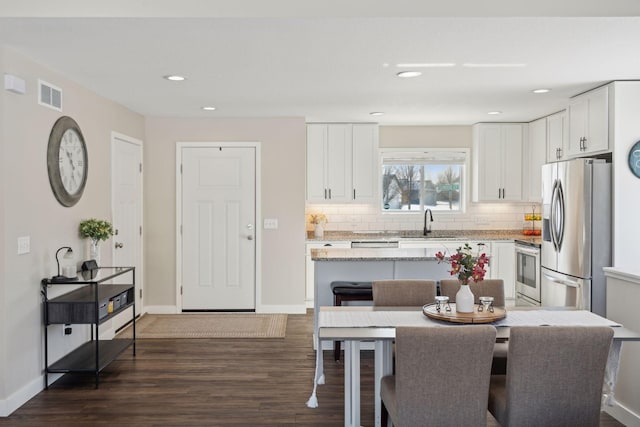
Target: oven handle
{"x": 527, "y": 251}
{"x": 562, "y": 282}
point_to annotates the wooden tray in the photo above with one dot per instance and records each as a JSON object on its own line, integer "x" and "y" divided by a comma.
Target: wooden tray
{"x": 429, "y": 310}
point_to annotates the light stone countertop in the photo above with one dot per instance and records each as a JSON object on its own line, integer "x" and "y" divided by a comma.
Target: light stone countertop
{"x": 373, "y": 254}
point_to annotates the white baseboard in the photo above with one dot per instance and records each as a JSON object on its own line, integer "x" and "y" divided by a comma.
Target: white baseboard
{"x": 21, "y": 396}
{"x": 623, "y": 414}
{"x": 161, "y": 309}
{"x": 288, "y": 309}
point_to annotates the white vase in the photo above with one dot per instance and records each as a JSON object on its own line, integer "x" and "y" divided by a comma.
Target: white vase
{"x": 94, "y": 250}
{"x": 319, "y": 231}
{"x": 464, "y": 300}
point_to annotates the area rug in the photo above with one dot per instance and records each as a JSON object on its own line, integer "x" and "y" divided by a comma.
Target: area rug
{"x": 211, "y": 325}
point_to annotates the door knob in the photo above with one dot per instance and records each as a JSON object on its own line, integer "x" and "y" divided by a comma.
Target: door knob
{"x": 249, "y": 237}
{"x": 119, "y": 245}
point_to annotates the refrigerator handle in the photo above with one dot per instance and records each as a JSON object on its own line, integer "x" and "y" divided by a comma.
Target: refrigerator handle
{"x": 560, "y": 235}
{"x": 552, "y": 224}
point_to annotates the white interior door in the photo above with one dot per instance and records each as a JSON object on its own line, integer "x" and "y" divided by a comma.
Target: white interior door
{"x": 218, "y": 228}
{"x": 126, "y": 185}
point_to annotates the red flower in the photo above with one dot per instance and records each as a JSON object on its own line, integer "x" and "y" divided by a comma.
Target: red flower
{"x": 465, "y": 265}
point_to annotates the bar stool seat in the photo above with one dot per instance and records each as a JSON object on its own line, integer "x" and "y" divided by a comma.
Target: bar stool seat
{"x": 349, "y": 291}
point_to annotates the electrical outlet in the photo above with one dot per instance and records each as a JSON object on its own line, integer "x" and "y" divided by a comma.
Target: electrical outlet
{"x": 24, "y": 245}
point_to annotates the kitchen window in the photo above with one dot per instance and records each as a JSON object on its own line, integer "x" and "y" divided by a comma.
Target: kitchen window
{"x": 414, "y": 181}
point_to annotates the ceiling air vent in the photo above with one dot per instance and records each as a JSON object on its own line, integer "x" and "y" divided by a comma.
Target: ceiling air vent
{"x": 49, "y": 95}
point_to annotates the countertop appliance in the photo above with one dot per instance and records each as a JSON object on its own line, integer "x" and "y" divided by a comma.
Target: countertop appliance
{"x": 527, "y": 274}
{"x": 576, "y": 233}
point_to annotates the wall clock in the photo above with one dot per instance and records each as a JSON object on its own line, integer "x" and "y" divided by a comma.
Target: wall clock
{"x": 67, "y": 161}
{"x": 634, "y": 159}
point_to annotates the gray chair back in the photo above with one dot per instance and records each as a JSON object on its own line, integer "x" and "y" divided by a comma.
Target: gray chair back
{"x": 442, "y": 376}
{"x": 554, "y": 377}
{"x": 396, "y": 293}
{"x": 486, "y": 288}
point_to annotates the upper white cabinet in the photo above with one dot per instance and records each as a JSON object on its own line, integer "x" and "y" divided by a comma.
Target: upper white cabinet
{"x": 342, "y": 162}
{"x": 497, "y": 161}
{"x": 589, "y": 123}
{"x": 534, "y": 159}
{"x": 557, "y": 136}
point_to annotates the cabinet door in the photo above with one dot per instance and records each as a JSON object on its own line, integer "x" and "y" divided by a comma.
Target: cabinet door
{"x": 503, "y": 266}
{"x": 597, "y": 122}
{"x": 338, "y": 163}
{"x": 488, "y": 163}
{"x": 577, "y": 114}
{"x": 316, "y": 160}
{"x": 557, "y": 136}
{"x": 309, "y": 266}
{"x": 535, "y": 158}
{"x": 365, "y": 163}
{"x": 512, "y": 135}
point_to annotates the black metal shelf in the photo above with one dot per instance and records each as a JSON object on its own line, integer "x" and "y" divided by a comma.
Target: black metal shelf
{"x": 83, "y": 358}
{"x": 93, "y": 303}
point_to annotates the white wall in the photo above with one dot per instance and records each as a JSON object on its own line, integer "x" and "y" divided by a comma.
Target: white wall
{"x": 626, "y": 191}
{"x": 30, "y": 209}
{"x": 478, "y": 216}
{"x": 283, "y": 169}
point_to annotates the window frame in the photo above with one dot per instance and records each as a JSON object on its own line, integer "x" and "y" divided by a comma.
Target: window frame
{"x": 420, "y": 154}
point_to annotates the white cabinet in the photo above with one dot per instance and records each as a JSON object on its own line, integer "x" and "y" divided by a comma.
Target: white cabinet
{"x": 342, "y": 162}
{"x": 589, "y": 123}
{"x": 534, "y": 159}
{"x": 309, "y": 265}
{"x": 503, "y": 266}
{"x": 497, "y": 161}
{"x": 557, "y": 136}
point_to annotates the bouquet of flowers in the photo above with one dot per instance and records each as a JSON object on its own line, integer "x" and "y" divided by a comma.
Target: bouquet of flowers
{"x": 465, "y": 264}
{"x": 319, "y": 218}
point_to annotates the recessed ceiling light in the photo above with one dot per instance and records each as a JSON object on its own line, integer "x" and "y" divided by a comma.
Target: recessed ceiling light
{"x": 506, "y": 65}
{"x": 426, "y": 65}
{"x": 408, "y": 74}
{"x": 175, "y": 78}
{"x": 377, "y": 113}
{"x": 208, "y": 108}
{"x": 494, "y": 113}
{"x": 541, "y": 90}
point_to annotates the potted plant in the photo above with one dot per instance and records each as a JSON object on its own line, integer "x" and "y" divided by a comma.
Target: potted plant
{"x": 95, "y": 230}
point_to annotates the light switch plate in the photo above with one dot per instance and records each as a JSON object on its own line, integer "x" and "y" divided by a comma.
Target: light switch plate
{"x": 24, "y": 245}
{"x": 270, "y": 223}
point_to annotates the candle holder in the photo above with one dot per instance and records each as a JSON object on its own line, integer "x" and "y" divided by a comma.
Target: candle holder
{"x": 486, "y": 304}
{"x": 442, "y": 302}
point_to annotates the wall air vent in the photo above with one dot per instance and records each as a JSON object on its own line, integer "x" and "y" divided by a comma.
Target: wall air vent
{"x": 49, "y": 95}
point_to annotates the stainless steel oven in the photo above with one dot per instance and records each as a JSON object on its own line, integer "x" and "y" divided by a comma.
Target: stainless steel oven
{"x": 527, "y": 274}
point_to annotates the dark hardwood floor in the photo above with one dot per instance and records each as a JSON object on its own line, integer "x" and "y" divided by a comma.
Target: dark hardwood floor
{"x": 207, "y": 382}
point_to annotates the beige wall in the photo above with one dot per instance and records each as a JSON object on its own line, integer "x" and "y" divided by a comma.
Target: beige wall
{"x": 3, "y": 206}
{"x": 425, "y": 136}
{"x": 283, "y": 193}
{"x": 30, "y": 209}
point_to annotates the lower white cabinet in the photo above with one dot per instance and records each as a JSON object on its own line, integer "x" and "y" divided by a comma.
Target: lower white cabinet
{"x": 309, "y": 270}
{"x": 503, "y": 266}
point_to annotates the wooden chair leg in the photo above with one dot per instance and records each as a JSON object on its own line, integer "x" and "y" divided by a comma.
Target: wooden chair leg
{"x": 337, "y": 301}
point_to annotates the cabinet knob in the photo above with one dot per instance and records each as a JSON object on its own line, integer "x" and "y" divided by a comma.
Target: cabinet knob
{"x": 119, "y": 245}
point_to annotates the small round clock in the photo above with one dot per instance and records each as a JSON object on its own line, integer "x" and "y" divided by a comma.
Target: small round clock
{"x": 634, "y": 159}
{"x": 67, "y": 161}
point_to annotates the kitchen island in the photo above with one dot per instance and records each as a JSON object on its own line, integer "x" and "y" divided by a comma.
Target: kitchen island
{"x": 370, "y": 264}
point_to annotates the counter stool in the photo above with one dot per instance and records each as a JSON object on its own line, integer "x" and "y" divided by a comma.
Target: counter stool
{"x": 349, "y": 291}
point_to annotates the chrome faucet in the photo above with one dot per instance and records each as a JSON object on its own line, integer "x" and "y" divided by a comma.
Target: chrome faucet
{"x": 427, "y": 226}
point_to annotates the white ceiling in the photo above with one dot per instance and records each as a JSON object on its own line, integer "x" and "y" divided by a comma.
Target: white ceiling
{"x": 291, "y": 60}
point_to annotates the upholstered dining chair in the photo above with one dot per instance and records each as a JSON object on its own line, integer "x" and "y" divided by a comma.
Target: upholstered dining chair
{"x": 554, "y": 377}
{"x": 442, "y": 377}
{"x": 398, "y": 292}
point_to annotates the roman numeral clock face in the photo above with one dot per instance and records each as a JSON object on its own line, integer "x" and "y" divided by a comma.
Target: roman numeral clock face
{"x": 67, "y": 161}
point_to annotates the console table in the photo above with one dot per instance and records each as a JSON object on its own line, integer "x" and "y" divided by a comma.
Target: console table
{"x": 93, "y": 302}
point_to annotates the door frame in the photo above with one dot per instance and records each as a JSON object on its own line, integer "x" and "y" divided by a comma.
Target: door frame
{"x": 258, "y": 221}
{"x": 139, "y": 272}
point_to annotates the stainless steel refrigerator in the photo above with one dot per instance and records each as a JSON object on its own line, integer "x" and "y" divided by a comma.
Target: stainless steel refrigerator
{"x": 576, "y": 233}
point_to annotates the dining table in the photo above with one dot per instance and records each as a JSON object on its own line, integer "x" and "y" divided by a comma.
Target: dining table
{"x": 355, "y": 324}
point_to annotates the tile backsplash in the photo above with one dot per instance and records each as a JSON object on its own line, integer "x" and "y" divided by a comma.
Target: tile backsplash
{"x": 479, "y": 216}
